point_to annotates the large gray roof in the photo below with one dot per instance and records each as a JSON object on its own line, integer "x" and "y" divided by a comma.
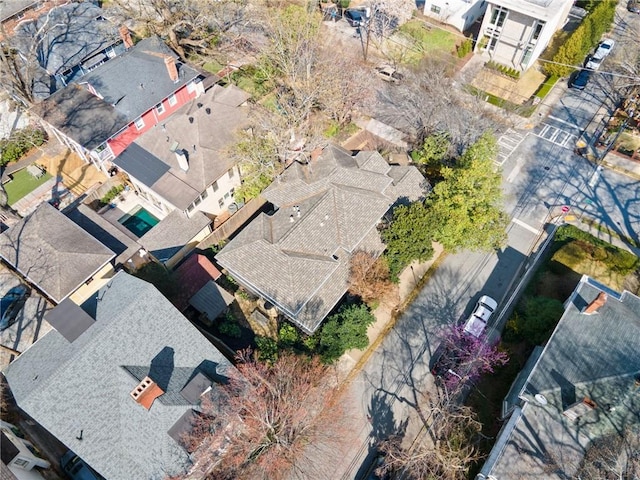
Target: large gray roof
{"x": 85, "y": 385}
{"x": 298, "y": 258}
{"x": 205, "y": 136}
{"x": 52, "y": 252}
{"x": 127, "y": 86}
{"x": 8, "y": 8}
{"x": 594, "y": 356}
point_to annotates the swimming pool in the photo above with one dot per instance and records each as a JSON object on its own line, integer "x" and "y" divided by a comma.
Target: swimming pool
{"x": 138, "y": 221}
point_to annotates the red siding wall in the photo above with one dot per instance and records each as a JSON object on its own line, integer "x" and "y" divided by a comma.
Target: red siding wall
{"x": 151, "y": 118}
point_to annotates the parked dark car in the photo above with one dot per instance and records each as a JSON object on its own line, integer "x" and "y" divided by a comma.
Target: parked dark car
{"x": 76, "y": 468}
{"x": 355, "y": 18}
{"x": 580, "y": 81}
{"x": 11, "y": 304}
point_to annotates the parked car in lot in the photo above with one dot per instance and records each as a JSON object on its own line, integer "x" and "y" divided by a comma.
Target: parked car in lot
{"x": 76, "y": 468}
{"x": 355, "y": 18}
{"x": 477, "y": 321}
{"x": 604, "y": 49}
{"x": 11, "y": 304}
{"x": 579, "y": 82}
{"x": 633, "y": 6}
{"x": 389, "y": 74}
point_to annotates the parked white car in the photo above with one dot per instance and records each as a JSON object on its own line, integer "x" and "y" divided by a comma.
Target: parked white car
{"x": 477, "y": 322}
{"x": 604, "y": 49}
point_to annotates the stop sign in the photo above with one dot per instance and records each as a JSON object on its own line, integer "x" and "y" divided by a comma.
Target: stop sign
{"x": 565, "y": 209}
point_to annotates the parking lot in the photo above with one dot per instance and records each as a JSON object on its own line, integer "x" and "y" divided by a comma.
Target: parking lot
{"x": 29, "y": 324}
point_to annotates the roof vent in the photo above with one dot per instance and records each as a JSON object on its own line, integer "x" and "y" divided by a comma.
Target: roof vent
{"x": 146, "y": 392}
{"x": 199, "y": 105}
{"x": 208, "y": 110}
{"x": 594, "y": 306}
{"x": 190, "y": 119}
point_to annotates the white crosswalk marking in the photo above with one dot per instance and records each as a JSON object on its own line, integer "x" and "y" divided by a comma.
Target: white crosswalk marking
{"x": 557, "y": 136}
{"x": 507, "y": 143}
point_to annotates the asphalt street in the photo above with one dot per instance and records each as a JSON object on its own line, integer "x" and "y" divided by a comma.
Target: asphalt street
{"x": 541, "y": 175}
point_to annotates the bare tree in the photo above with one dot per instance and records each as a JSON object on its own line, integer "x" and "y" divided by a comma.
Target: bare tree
{"x": 615, "y": 457}
{"x": 283, "y": 408}
{"x": 445, "y": 452}
{"x": 429, "y": 101}
{"x": 369, "y": 277}
{"x": 190, "y": 26}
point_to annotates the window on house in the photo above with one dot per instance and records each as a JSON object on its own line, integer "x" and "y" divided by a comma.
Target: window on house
{"x": 215, "y": 186}
{"x": 191, "y": 86}
{"x": 205, "y": 194}
{"x": 197, "y": 201}
{"x": 221, "y": 202}
{"x": 110, "y": 51}
{"x": 502, "y": 15}
{"x": 227, "y": 195}
{"x": 139, "y": 123}
{"x": 231, "y": 173}
{"x": 20, "y": 15}
{"x": 20, "y": 462}
{"x": 173, "y": 99}
{"x": 435, "y": 9}
{"x": 190, "y": 208}
{"x": 160, "y": 108}
{"x": 537, "y": 30}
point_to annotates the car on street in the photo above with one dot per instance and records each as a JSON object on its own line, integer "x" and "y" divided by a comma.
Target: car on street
{"x": 593, "y": 63}
{"x": 604, "y": 49}
{"x": 355, "y": 18}
{"x": 11, "y": 305}
{"x": 389, "y": 74}
{"x": 477, "y": 321}
{"x": 579, "y": 82}
{"x": 633, "y": 6}
{"x": 76, "y": 468}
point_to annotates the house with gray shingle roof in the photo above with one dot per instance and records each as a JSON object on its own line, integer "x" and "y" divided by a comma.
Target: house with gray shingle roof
{"x": 101, "y": 113}
{"x": 120, "y": 391}
{"x": 583, "y": 387}
{"x": 55, "y": 255}
{"x": 298, "y": 258}
{"x": 184, "y": 163}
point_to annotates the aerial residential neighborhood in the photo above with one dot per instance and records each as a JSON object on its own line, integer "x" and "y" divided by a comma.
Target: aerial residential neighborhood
{"x": 319, "y": 240}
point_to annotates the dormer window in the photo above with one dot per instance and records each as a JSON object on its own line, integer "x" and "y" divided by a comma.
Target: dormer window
{"x": 160, "y": 108}
{"x": 139, "y": 123}
{"x": 173, "y": 99}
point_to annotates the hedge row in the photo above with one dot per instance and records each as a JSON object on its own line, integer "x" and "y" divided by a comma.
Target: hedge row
{"x": 582, "y": 40}
{"x": 508, "y": 71}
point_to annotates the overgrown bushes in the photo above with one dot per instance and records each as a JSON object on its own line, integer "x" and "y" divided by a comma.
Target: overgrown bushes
{"x": 19, "y": 143}
{"x": 583, "y": 39}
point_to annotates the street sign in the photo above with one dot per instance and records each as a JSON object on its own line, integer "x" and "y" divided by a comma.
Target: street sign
{"x": 565, "y": 209}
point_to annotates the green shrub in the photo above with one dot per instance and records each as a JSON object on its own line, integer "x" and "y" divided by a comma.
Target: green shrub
{"x": 345, "y": 330}
{"x": 111, "y": 194}
{"x": 465, "y": 48}
{"x": 229, "y": 326}
{"x": 288, "y": 335}
{"x": 535, "y": 321}
{"x": 267, "y": 349}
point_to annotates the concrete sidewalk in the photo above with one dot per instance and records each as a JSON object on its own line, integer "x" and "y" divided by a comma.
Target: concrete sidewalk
{"x": 411, "y": 281}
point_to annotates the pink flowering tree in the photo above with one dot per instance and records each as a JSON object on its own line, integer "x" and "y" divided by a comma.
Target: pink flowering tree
{"x": 465, "y": 358}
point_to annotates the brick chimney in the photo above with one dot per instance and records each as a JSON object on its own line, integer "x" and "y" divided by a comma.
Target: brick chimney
{"x": 146, "y": 392}
{"x": 170, "y": 62}
{"x": 594, "y": 306}
{"x": 126, "y": 37}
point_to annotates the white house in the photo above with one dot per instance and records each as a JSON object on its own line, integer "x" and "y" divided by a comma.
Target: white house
{"x": 516, "y": 32}
{"x": 460, "y": 14}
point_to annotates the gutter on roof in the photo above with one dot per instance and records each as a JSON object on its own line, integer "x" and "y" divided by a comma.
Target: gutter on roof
{"x": 500, "y": 445}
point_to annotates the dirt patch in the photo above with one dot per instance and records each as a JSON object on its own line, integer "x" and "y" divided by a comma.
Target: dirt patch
{"x": 516, "y": 91}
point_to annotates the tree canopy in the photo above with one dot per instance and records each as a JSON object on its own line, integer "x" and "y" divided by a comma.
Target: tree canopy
{"x": 465, "y": 207}
{"x": 345, "y": 330}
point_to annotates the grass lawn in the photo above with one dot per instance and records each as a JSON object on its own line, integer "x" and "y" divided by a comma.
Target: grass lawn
{"x": 427, "y": 40}
{"x": 22, "y": 184}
